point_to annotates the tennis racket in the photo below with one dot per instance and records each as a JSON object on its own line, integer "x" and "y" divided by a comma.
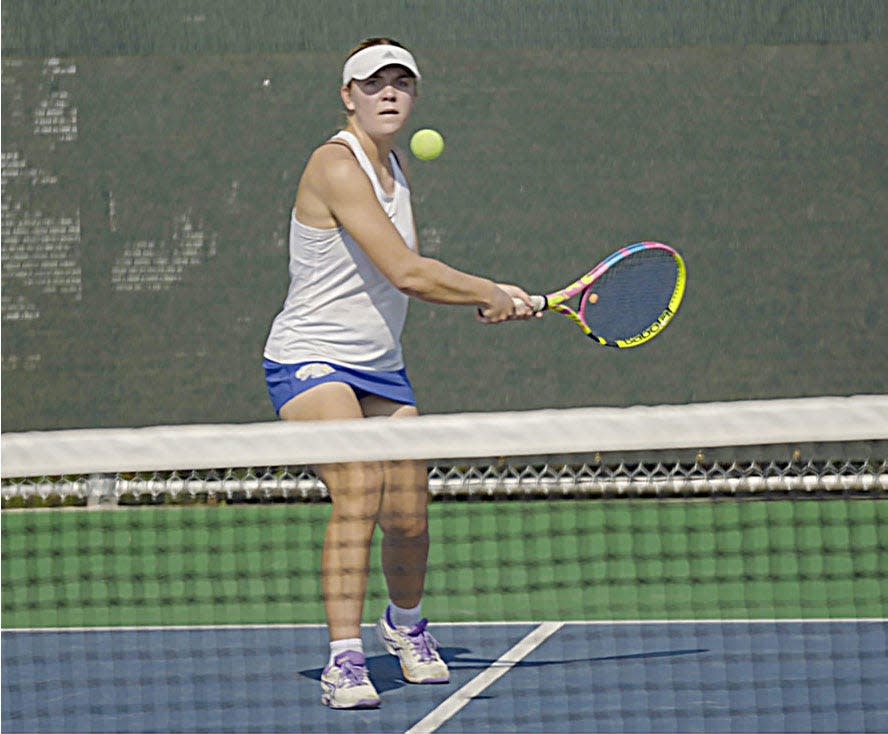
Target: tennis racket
{"x": 625, "y": 300}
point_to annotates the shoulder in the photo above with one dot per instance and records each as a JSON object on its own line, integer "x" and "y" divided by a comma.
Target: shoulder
{"x": 331, "y": 157}
{"x": 333, "y": 165}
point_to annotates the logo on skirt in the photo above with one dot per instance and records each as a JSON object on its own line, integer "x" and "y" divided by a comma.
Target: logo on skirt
{"x": 313, "y": 370}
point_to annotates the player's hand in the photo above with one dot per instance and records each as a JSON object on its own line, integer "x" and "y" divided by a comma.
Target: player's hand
{"x": 521, "y": 301}
{"x": 500, "y": 306}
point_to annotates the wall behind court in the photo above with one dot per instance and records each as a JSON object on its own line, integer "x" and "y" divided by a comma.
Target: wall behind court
{"x": 152, "y": 27}
{"x": 148, "y": 170}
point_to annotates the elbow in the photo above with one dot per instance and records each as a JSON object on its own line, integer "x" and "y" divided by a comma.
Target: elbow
{"x": 411, "y": 278}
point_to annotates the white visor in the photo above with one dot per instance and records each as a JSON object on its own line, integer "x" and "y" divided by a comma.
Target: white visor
{"x": 368, "y": 61}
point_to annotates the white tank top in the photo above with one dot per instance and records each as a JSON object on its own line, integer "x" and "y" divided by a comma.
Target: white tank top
{"x": 339, "y": 307}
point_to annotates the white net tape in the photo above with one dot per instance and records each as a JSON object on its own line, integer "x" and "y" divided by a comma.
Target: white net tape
{"x": 589, "y": 452}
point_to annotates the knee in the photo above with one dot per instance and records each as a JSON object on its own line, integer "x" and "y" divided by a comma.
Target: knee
{"x": 404, "y": 523}
{"x": 356, "y": 491}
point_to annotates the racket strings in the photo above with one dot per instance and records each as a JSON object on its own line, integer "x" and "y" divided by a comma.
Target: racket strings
{"x": 631, "y": 295}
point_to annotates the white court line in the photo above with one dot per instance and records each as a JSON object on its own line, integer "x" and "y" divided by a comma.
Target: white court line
{"x": 503, "y": 665}
{"x": 517, "y": 623}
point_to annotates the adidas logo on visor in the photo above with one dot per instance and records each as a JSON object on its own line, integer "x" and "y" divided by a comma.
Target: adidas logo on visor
{"x": 369, "y": 60}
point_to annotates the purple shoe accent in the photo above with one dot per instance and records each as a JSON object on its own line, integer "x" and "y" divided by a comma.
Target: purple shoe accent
{"x": 419, "y": 627}
{"x": 353, "y": 665}
{"x": 352, "y": 672}
{"x": 415, "y": 647}
{"x": 422, "y": 642}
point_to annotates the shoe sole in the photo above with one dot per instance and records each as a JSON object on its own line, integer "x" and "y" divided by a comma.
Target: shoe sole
{"x": 362, "y": 704}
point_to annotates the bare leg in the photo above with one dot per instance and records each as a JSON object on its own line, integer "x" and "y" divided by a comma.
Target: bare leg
{"x": 403, "y": 516}
{"x": 405, "y": 540}
{"x": 356, "y": 490}
{"x": 345, "y": 562}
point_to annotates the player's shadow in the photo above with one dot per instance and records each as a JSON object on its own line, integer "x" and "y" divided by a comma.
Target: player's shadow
{"x": 466, "y": 663}
{"x": 386, "y": 672}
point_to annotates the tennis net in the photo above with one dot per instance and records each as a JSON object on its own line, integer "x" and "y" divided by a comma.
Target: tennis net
{"x": 711, "y": 567}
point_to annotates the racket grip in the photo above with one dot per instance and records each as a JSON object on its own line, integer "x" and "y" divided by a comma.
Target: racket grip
{"x": 539, "y": 303}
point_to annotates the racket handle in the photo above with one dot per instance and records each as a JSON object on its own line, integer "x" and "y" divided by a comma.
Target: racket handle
{"x": 539, "y": 303}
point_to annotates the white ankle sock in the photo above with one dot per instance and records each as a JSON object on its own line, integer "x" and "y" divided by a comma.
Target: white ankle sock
{"x": 340, "y": 646}
{"x": 405, "y": 617}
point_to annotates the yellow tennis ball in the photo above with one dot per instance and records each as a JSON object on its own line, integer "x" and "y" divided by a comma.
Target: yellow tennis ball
{"x": 427, "y": 144}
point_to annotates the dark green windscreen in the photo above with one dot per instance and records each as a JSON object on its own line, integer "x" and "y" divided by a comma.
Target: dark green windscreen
{"x": 133, "y": 27}
{"x": 150, "y": 158}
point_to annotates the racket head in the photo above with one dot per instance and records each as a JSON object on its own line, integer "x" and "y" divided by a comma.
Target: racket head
{"x": 629, "y": 297}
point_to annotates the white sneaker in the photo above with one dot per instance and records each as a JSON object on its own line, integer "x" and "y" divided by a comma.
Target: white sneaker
{"x": 416, "y": 650}
{"x": 346, "y": 684}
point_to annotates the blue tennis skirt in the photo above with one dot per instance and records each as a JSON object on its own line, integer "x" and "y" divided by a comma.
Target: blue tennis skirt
{"x": 286, "y": 381}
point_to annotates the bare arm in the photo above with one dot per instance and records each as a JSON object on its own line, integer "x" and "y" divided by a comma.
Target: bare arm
{"x": 334, "y": 177}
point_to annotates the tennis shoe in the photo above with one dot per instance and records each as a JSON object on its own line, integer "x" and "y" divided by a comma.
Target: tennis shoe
{"x": 416, "y": 650}
{"x": 346, "y": 684}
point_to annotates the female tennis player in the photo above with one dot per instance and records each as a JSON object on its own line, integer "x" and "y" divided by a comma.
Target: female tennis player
{"x": 334, "y": 352}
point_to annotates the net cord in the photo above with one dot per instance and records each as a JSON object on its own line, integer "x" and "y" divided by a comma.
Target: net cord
{"x": 466, "y": 435}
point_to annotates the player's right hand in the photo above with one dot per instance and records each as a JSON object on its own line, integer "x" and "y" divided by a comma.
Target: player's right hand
{"x": 522, "y": 302}
{"x": 500, "y": 307}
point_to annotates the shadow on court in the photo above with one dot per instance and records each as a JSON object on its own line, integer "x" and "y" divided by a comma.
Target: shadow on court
{"x": 386, "y": 672}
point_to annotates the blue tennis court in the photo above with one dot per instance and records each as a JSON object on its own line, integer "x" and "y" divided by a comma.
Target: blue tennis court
{"x": 612, "y": 677}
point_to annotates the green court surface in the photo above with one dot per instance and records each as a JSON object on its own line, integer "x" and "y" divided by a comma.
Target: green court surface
{"x": 507, "y": 560}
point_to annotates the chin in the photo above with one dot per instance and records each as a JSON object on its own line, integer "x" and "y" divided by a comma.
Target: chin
{"x": 390, "y": 128}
